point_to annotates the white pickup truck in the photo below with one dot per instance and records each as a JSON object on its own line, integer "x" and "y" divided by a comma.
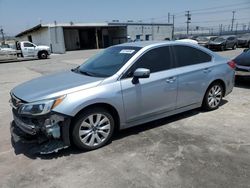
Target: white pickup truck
{"x": 28, "y": 49}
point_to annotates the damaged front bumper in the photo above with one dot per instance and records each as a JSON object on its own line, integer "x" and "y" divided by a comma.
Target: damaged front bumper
{"x": 50, "y": 132}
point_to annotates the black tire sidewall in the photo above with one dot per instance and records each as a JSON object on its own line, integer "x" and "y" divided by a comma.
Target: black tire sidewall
{"x": 76, "y": 125}
{"x": 41, "y": 55}
{"x": 205, "y": 105}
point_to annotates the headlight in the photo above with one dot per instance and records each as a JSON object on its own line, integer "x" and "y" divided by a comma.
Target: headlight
{"x": 40, "y": 107}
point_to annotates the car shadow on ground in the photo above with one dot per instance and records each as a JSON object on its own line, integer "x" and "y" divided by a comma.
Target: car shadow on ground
{"x": 27, "y": 148}
{"x": 242, "y": 82}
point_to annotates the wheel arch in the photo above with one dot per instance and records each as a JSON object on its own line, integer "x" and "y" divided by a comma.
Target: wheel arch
{"x": 39, "y": 52}
{"x": 221, "y": 81}
{"x": 106, "y": 106}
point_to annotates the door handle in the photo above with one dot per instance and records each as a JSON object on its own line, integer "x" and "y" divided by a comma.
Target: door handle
{"x": 171, "y": 79}
{"x": 207, "y": 70}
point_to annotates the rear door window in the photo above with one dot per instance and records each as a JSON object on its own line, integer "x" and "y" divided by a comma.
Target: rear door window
{"x": 186, "y": 55}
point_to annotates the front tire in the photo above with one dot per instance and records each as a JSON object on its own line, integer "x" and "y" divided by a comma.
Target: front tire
{"x": 213, "y": 97}
{"x": 222, "y": 48}
{"x": 93, "y": 129}
{"x": 43, "y": 55}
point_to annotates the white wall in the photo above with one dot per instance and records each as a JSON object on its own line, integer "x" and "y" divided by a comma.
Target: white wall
{"x": 39, "y": 37}
{"x": 157, "y": 32}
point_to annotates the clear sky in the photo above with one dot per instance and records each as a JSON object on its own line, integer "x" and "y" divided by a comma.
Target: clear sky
{"x": 17, "y": 15}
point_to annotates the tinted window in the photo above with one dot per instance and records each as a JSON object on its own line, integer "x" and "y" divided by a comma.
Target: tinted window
{"x": 26, "y": 44}
{"x": 155, "y": 60}
{"x": 108, "y": 62}
{"x": 231, "y": 38}
{"x": 219, "y": 39}
{"x": 186, "y": 55}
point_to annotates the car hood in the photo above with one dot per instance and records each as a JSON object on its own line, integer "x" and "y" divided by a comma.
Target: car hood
{"x": 55, "y": 85}
{"x": 42, "y": 47}
{"x": 244, "y": 38}
{"x": 216, "y": 43}
{"x": 202, "y": 42}
{"x": 8, "y": 49}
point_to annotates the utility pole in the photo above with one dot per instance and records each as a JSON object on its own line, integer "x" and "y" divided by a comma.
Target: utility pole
{"x": 188, "y": 20}
{"x": 232, "y": 26}
{"x": 173, "y": 28}
{"x": 221, "y": 29}
{"x": 3, "y": 39}
{"x": 152, "y": 27}
{"x": 236, "y": 27}
{"x": 168, "y": 17}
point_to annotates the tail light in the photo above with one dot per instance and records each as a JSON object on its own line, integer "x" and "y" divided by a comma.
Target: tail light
{"x": 232, "y": 64}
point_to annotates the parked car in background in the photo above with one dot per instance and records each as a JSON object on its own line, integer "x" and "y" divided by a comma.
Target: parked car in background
{"x": 204, "y": 40}
{"x": 188, "y": 40}
{"x": 243, "y": 63}
{"x": 7, "y": 53}
{"x": 29, "y": 49}
{"x": 244, "y": 40}
{"x": 223, "y": 42}
{"x": 114, "y": 90}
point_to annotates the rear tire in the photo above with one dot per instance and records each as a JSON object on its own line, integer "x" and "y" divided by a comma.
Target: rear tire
{"x": 93, "y": 129}
{"x": 213, "y": 96}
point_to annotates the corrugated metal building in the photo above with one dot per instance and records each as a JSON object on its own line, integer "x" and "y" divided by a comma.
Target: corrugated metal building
{"x": 75, "y": 36}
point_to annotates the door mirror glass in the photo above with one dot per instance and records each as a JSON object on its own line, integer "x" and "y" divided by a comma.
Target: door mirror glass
{"x": 140, "y": 73}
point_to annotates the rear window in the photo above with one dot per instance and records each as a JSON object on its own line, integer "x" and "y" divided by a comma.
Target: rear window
{"x": 186, "y": 55}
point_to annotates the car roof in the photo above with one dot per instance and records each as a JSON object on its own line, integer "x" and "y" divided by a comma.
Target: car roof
{"x": 227, "y": 36}
{"x": 149, "y": 44}
{"x": 143, "y": 44}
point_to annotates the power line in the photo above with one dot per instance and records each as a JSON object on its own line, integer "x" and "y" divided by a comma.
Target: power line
{"x": 216, "y": 7}
{"x": 228, "y": 10}
{"x": 219, "y": 7}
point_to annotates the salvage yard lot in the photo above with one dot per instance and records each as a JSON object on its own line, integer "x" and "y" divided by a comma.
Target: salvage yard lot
{"x": 192, "y": 149}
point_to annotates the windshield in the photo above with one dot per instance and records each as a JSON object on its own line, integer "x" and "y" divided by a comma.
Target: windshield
{"x": 108, "y": 62}
{"x": 219, "y": 39}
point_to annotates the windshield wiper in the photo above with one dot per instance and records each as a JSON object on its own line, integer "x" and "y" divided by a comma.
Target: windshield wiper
{"x": 77, "y": 70}
{"x": 86, "y": 73}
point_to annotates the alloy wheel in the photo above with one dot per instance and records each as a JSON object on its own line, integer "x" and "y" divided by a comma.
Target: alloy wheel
{"x": 214, "y": 96}
{"x": 94, "y": 129}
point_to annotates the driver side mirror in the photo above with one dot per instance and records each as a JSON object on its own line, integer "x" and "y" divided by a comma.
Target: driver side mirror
{"x": 140, "y": 73}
